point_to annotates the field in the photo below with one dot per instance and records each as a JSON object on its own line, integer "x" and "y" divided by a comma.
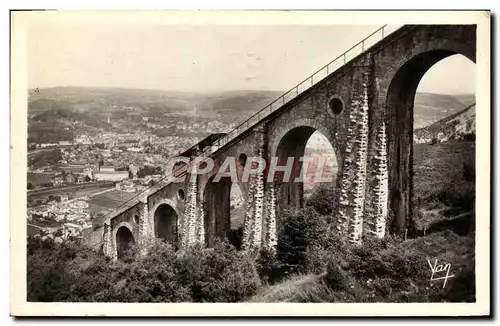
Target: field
{"x": 73, "y": 191}
{"x": 38, "y": 179}
{"x": 106, "y": 202}
{"x": 45, "y": 157}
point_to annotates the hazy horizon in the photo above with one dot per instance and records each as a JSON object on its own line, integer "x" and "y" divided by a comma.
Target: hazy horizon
{"x": 204, "y": 92}
{"x": 205, "y": 58}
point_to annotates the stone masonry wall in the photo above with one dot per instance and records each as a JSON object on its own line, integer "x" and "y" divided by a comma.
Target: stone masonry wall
{"x": 253, "y": 224}
{"x": 190, "y": 234}
{"x": 352, "y": 192}
{"x": 355, "y": 228}
{"x": 107, "y": 246}
{"x": 146, "y": 232}
{"x": 376, "y": 218}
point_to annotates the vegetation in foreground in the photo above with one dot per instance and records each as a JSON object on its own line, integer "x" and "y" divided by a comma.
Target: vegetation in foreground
{"x": 318, "y": 270}
{"x": 312, "y": 263}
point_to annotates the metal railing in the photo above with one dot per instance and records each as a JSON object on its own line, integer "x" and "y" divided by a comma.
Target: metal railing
{"x": 298, "y": 89}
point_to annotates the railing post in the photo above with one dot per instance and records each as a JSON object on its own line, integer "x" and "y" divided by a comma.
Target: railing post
{"x": 327, "y": 69}
{"x": 312, "y": 79}
{"x": 283, "y": 97}
{"x": 363, "y": 46}
{"x": 297, "y": 89}
{"x": 344, "y": 57}
{"x": 383, "y": 31}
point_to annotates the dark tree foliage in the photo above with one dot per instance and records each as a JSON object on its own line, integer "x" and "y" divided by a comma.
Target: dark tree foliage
{"x": 71, "y": 272}
{"x": 322, "y": 199}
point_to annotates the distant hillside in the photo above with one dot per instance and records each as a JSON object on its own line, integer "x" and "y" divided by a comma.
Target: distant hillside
{"x": 461, "y": 125}
{"x": 430, "y": 107}
{"x": 238, "y": 104}
{"x": 52, "y": 110}
{"x": 60, "y": 112}
{"x": 232, "y": 103}
{"x": 466, "y": 99}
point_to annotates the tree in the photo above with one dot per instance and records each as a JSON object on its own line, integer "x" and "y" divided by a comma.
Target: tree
{"x": 87, "y": 178}
{"x": 321, "y": 199}
{"x": 30, "y": 186}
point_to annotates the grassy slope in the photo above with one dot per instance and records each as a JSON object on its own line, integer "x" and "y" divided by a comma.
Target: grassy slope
{"x": 436, "y": 166}
{"x": 445, "y": 247}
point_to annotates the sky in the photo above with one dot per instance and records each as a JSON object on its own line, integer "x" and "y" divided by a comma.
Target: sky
{"x": 205, "y": 57}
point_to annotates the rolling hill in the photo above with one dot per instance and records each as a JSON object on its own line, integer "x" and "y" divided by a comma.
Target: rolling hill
{"x": 91, "y": 106}
{"x": 461, "y": 125}
{"x": 429, "y": 107}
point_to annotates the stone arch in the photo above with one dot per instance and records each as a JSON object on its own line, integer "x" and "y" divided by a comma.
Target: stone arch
{"x": 233, "y": 152}
{"x": 291, "y": 143}
{"x": 165, "y": 220}
{"x": 306, "y": 122}
{"x": 124, "y": 238}
{"x": 398, "y": 85}
{"x": 168, "y": 201}
{"x": 216, "y": 201}
{"x": 450, "y": 46}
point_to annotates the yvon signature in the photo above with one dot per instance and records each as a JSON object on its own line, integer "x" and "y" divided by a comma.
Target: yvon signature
{"x": 439, "y": 270}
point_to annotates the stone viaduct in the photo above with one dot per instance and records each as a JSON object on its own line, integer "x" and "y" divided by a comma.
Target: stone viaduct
{"x": 362, "y": 104}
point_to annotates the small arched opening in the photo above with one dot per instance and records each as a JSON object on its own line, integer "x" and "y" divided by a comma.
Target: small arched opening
{"x": 124, "y": 242}
{"x": 165, "y": 223}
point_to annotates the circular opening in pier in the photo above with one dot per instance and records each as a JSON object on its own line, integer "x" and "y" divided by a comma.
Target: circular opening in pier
{"x": 181, "y": 194}
{"x": 136, "y": 219}
{"x": 335, "y": 105}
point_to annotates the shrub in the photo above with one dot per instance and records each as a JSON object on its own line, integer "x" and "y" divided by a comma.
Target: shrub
{"x": 299, "y": 231}
{"x": 150, "y": 278}
{"x": 336, "y": 277}
{"x": 322, "y": 199}
{"x": 219, "y": 274}
{"x": 49, "y": 274}
{"x": 270, "y": 268}
{"x": 73, "y": 273}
